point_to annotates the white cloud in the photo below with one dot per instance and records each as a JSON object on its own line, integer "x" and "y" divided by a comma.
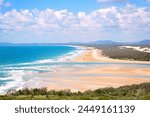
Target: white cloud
{"x": 113, "y": 22}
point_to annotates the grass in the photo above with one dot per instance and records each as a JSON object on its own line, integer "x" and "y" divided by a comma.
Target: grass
{"x": 131, "y": 92}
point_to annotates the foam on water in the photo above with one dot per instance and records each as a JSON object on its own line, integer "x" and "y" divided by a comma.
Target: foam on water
{"x": 15, "y": 83}
{"x": 18, "y": 72}
{"x": 64, "y": 58}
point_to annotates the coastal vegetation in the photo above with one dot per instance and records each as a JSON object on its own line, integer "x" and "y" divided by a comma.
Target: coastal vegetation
{"x": 126, "y": 53}
{"x": 130, "y": 92}
{"x": 114, "y": 52}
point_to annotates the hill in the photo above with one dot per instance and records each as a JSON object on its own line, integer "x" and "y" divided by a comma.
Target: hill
{"x": 109, "y": 42}
{"x": 98, "y": 42}
{"x": 104, "y": 42}
{"x": 144, "y": 42}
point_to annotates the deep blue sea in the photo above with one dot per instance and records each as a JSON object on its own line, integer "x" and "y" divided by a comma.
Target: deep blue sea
{"x": 26, "y": 54}
{"x": 15, "y": 61}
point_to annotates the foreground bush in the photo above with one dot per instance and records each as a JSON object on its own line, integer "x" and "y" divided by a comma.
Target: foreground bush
{"x": 134, "y": 92}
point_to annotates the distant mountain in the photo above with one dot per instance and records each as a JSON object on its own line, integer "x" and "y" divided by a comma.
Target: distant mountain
{"x": 143, "y": 42}
{"x": 75, "y": 43}
{"x": 108, "y": 42}
{"x": 100, "y": 42}
{"x": 104, "y": 42}
{"x": 5, "y": 44}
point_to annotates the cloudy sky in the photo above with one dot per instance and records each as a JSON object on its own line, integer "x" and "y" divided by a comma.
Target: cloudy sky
{"x": 74, "y": 20}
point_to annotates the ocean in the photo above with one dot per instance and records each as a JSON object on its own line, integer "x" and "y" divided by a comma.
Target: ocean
{"x": 16, "y": 61}
{"x": 28, "y": 66}
{"x": 26, "y": 54}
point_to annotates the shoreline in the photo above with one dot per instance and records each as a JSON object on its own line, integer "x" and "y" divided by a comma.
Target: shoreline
{"x": 92, "y": 54}
{"x": 85, "y": 78}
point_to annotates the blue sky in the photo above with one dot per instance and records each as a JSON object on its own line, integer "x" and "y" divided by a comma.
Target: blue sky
{"x": 74, "y": 20}
{"x": 71, "y": 5}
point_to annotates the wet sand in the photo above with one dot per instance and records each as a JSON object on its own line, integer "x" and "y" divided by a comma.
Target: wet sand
{"x": 100, "y": 77}
{"x": 82, "y": 78}
{"x": 90, "y": 77}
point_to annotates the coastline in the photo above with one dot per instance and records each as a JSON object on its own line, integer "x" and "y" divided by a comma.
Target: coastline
{"x": 85, "y": 68}
{"x": 93, "y": 54}
{"x": 82, "y": 79}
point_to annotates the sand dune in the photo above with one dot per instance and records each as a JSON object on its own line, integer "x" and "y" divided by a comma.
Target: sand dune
{"x": 143, "y": 49}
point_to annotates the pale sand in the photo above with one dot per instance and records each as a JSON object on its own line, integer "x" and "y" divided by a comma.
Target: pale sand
{"x": 92, "y": 83}
{"x": 92, "y": 54}
{"x": 82, "y": 78}
{"x": 138, "y": 48}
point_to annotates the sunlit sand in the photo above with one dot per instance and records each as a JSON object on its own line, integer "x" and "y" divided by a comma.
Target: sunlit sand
{"x": 90, "y": 77}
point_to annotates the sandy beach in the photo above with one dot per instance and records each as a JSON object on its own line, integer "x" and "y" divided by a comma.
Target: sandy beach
{"x": 82, "y": 78}
{"x": 92, "y": 54}
{"x": 98, "y": 77}
{"x": 87, "y": 77}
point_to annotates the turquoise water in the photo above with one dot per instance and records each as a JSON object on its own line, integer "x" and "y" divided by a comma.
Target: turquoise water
{"x": 15, "y": 61}
{"x": 18, "y": 63}
{"x": 25, "y": 54}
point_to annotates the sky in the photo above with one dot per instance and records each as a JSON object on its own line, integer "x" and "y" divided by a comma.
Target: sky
{"x": 53, "y": 21}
